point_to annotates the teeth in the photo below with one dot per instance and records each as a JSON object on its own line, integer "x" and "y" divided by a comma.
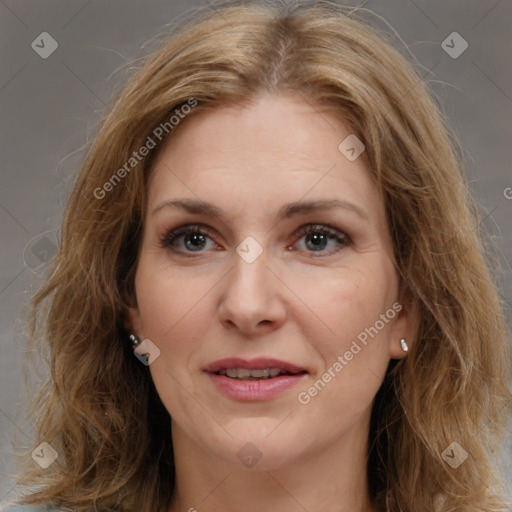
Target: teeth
{"x": 245, "y": 374}
{"x": 260, "y": 373}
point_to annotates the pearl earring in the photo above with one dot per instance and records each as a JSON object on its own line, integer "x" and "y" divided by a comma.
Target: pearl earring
{"x": 405, "y": 348}
{"x": 135, "y": 341}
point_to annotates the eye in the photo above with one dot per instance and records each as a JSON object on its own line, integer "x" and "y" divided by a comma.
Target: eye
{"x": 318, "y": 236}
{"x": 194, "y": 238}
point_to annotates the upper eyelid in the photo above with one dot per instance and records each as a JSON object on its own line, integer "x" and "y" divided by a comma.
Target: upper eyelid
{"x": 204, "y": 227}
{"x": 207, "y": 230}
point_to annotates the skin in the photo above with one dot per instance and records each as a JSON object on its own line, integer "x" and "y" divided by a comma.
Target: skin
{"x": 304, "y": 306}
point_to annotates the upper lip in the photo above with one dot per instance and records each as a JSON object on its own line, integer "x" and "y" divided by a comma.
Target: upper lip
{"x": 259, "y": 363}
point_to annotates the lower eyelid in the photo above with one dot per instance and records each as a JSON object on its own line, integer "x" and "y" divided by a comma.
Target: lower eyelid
{"x": 343, "y": 241}
{"x": 167, "y": 241}
{"x": 342, "y": 238}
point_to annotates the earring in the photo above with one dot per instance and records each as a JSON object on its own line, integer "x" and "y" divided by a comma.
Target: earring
{"x": 135, "y": 341}
{"x": 405, "y": 348}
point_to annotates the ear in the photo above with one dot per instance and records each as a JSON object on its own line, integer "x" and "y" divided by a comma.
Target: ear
{"x": 133, "y": 323}
{"x": 405, "y": 325}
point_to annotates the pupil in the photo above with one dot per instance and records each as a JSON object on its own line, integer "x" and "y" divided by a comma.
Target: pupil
{"x": 318, "y": 240}
{"x": 195, "y": 241}
{"x": 194, "y": 237}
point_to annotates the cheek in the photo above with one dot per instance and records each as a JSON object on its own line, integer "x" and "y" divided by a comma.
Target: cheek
{"x": 360, "y": 300}
{"x": 171, "y": 303}
{"x": 346, "y": 302}
{"x": 173, "y": 307}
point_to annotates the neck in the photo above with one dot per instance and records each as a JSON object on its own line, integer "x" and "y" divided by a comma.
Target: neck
{"x": 331, "y": 478}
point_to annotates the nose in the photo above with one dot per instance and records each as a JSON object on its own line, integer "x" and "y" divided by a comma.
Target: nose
{"x": 253, "y": 298}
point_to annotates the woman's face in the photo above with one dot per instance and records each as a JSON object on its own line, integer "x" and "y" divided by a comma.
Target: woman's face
{"x": 255, "y": 284}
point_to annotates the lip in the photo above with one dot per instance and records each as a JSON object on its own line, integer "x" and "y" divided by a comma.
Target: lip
{"x": 259, "y": 363}
{"x": 253, "y": 390}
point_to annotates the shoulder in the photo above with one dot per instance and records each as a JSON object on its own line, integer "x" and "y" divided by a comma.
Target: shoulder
{"x": 29, "y": 508}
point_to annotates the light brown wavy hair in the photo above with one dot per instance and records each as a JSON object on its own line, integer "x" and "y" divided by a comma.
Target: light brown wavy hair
{"x": 99, "y": 408}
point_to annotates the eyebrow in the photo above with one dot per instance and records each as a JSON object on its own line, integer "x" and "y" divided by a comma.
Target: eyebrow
{"x": 285, "y": 212}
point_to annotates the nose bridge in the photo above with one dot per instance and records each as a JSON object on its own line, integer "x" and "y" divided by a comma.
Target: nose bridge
{"x": 250, "y": 273}
{"x": 250, "y": 293}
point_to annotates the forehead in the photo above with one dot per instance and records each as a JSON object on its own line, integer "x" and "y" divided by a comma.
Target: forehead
{"x": 279, "y": 149}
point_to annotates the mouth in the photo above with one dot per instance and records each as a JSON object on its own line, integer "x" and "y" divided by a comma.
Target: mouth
{"x": 260, "y": 368}
{"x": 255, "y": 379}
{"x": 263, "y": 374}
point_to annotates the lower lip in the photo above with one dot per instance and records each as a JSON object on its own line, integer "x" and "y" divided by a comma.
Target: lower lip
{"x": 252, "y": 390}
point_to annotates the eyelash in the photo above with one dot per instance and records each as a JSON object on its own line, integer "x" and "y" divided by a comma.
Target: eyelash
{"x": 166, "y": 241}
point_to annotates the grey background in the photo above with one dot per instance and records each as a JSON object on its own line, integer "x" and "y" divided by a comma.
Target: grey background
{"x": 50, "y": 108}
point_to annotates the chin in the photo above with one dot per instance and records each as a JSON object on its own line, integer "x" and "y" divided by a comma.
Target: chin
{"x": 259, "y": 448}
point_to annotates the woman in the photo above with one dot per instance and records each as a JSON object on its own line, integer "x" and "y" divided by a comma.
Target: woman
{"x": 273, "y": 220}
